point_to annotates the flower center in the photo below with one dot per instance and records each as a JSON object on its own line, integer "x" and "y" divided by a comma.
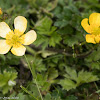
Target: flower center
{"x": 14, "y": 38}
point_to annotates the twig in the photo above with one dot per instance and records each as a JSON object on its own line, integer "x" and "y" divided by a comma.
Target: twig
{"x": 62, "y": 51}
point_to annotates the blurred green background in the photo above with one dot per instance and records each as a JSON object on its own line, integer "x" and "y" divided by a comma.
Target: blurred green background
{"x": 66, "y": 67}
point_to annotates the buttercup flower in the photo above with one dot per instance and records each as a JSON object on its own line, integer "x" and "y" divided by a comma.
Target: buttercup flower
{"x": 92, "y": 26}
{"x": 15, "y": 40}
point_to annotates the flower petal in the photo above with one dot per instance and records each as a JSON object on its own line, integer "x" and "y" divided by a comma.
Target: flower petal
{"x": 4, "y": 47}
{"x": 90, "y": 38}
{"x": 85, "y": 25}
{"x": 4, "y": 29}
{"x": 18, "y": 51}
{"x": 20, "y": 23}
{"x": 29, "y": 37}
{"x": 94, "y": 19}
{"x": 97, "y": 39}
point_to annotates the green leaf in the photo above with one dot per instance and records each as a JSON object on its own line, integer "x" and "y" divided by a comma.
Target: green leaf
{"x": 55, "y": 39}
{"x": 92, "y": 1}
{"x": 38, "y": 3}
{"x": 42, "y": 40}
{"x": 86, "y": 77}
{"x": 7, "y": 81}
{"x": 61, "y": 23}
{"x": 47, "y": 97}
{"x": 41, "y": 79}
{"x": 12, "y": 59}
{"x": 46, "y": 86}
{"x": 52, "y": 73}
{"x": 64, "y": 17}
{"x": 2, "y": 80}
{"x": 67, "y": 84}
{"x": 6, "y": 88}
{"x": 71, "y": 73}
{"x": 70, "y": 41}
{"x": 66, "y": 30}
{"x": 95, "y": 65}
{"x": 45, "y": 54}
{"x": 73, "y": 79}
{"x": 43, "y": 26}
{"x": 47, "y": 33}
{"x": 21, "y": 96}
{"x": 72, "y": 97}
{"x": 2, "y": 57}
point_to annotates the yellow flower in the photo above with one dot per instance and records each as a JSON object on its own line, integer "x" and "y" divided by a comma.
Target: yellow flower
{"x": 0, "y": 11}
{"x": 15, "y": 40}
{"x": 92, "y": 26}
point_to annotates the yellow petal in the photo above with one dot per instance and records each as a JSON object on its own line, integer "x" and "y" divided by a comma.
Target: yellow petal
{"x": 4, "y": 29}
{"x": 97, "y": 39}
{"x": 94, "y": 19}
{"x": 90, "y": 38}
{"x": 18, "y": 51}
{"x": 4, "y": 47}
{"x": 20, "y": 23}
{"x": 85, "y": 25}
{"x": 1, "y": 11}
{"x": 29, "y": 37}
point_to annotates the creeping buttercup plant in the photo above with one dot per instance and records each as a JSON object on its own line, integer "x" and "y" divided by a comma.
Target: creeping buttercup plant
{"x": 59, "y": 58}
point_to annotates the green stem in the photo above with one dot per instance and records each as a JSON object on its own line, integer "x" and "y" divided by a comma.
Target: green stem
{"x": 28, "y": 65}
{"x": 33, "y": 76}
{"x": 30, "y": 50}
{"x": 57, "y": 91}
{"x": 96, "y": 85}
{"x": 82, "y": 43}
{"x": 38, "y": 89}
{"x": 28, "y": 92}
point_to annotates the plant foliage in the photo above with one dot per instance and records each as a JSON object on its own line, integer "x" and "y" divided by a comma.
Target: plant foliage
{"x": 64, "y": 66}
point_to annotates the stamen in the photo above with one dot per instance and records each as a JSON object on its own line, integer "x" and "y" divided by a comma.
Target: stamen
{"x": 14, "y": 38}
